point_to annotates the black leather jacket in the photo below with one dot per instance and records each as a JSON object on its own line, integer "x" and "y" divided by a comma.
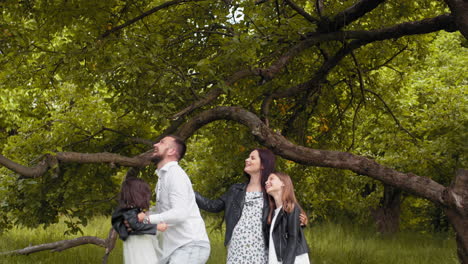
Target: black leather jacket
{"x": 288, "y": 236}
{"x": 131, "y": 215}
{"x": 232, "y": 202}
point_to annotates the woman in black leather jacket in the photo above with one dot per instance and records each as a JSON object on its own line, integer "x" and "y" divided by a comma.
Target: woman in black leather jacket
{"x": 287, "y": 243}
{"x": 246, "y": 210}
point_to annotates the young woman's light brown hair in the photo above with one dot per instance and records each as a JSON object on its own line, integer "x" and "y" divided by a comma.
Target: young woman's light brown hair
{"x": 288, "y": 198}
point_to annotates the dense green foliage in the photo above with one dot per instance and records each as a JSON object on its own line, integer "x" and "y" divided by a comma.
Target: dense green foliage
{"x": 64, "y": 86}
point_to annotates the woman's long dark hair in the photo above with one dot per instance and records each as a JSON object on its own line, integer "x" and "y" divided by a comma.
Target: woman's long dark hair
{"x": 267, "y": 163}
{"x": 135, "y": 193}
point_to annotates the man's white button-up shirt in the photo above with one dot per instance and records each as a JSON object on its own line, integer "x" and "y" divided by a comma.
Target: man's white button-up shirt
{"x": 176, "y": 206}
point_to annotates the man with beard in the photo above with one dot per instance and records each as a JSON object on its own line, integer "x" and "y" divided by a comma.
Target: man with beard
{"x": 185, "y": 240}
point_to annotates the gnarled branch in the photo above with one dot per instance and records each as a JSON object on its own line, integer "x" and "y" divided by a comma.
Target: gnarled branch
{"x": 59, "y": 245}
{"x": 443, "y": 22}
{"x": 418, "y": 185}
{"x": 361, "y": 38}
{"x": 50, "y": 161}
{"x": 349, "y": 15}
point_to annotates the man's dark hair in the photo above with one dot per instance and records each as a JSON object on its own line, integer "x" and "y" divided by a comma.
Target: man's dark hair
{"x": 180, "y": 146}
{"x": 135, "y": 193}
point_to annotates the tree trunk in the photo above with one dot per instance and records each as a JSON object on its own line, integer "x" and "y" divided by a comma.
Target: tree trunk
{"x": 387, "y": 216}
{"x": 459, "y": 10}
{"x": 460, "y": 224}
{"x": 457, "y": 195}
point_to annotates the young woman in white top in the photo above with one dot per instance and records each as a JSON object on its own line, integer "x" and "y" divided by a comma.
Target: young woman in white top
{"x": 287, "y": 243}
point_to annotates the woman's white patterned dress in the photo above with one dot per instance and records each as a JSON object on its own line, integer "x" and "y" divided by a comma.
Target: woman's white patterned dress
{"x": 247, "y": 244}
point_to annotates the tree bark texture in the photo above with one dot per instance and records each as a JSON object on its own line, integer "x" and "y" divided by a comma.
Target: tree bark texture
{"x": 459, "y": 9}
{"x": 457, "y": 212}
{"x": 59, "y": 245}
{"x": 387, "y": 215}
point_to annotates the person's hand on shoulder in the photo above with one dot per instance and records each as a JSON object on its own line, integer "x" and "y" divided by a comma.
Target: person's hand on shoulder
{"x": 303, "y": 219}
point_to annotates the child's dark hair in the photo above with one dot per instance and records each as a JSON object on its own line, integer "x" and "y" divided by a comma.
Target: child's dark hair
{"x": 135, "y": 193}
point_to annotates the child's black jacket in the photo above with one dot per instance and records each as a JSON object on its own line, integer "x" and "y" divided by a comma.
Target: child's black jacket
{"x": 131, "y": 215}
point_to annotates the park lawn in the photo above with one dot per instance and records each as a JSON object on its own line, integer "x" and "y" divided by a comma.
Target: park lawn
{"x": 329, "y": 243}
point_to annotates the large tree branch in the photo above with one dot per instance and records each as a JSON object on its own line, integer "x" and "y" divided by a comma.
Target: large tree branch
{"x": 443, "y": 22}
{"x": 429, "y": 25}
{"x": 51, "y": 161}
{"x": 108, "y": 244}
{"x": 420, "y": 186}
{"x": 33, "y": 172}
{"x": 349, "y": 15}
{"x": 59, "y": 245}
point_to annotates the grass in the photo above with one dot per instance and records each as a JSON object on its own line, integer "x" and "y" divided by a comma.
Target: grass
{"x": 329, "y": 244}
{"x": 332, "y": 243}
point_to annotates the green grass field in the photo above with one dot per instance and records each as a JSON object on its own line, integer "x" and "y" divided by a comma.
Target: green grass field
{"x": 329, "y": 244}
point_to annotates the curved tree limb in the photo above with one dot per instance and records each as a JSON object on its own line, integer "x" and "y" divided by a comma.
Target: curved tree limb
{"x": 420, "y": 27}
{"x": 418, "y": 185}
{"x": 33, "y": 172}
{"x": 454, "y": 197}
{"x": 51, "y": 161}
{"x": 443, "y": 22}
{"x": 59, "y": 245}
{"x": 103, "y": 157}
{"x": 349, "y": 15}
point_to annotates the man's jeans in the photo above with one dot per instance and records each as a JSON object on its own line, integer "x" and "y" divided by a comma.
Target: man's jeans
{"x": 191, "y": 253}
